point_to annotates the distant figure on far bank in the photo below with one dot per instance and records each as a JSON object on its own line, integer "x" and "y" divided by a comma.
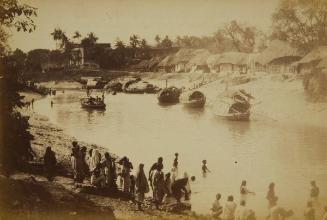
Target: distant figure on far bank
{"x": 50, "y": 163}
{"x": 32, "y": 103}
{"x": 309, "y": 213}
{"x": 205, "y": 169}
{"x": 51, "y": 103}
{"x": 314, "y": 193}
{"x": 217, "y": 209}
{"x": 176, "y": 158}
{"x": 244, "y": 192}
{"x": 271, "y": 197}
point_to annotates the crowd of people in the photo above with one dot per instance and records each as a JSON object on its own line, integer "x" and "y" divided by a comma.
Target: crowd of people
{"x": 103, "y": 172}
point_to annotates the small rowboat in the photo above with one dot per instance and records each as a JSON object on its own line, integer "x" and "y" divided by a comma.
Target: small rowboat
{"x": 92, "y": 103}
{"x": 195, "y": 99}
{"x": 169, "y": 95}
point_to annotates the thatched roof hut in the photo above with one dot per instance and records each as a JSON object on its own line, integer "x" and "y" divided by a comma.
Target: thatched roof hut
{"x": 316, "y": 54}
{"x": 167, "y": 61}
{"x": 235, "y": 58}
{"x": 200, "y": 59}
{"x": 278, "y": 50}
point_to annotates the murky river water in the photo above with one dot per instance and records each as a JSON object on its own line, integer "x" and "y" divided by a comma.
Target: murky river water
{"x": 258, "y": 151}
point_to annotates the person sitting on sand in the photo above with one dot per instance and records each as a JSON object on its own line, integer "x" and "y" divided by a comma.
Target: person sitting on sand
{"x": 178, "y": 188}
{"x": 229, "y": 209}
{"x": 50, "y": 163}
{"x": 217, "y": 209}
{"x": 309, "y": 213}
{"x": 142, "y": 185}
{"x": 244, "y": 192}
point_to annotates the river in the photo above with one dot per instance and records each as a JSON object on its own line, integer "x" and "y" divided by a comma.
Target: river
{"x": 259, "y": 151}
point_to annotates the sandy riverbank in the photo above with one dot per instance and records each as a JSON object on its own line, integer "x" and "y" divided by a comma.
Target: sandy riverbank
{"x": 46, "y": 134}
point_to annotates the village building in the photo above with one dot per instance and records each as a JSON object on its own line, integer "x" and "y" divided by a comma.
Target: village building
{"x": 199, "y": 62}
{"x": 311, "y": 60}
{"x": 76, "y": 57}
{"x": 166, "y": 65}
{"x": 229, "y": 62}
{"x": 278, "y": 57}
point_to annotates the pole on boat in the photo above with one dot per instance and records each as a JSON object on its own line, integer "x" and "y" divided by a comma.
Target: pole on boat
{"x": 166, "y": 83}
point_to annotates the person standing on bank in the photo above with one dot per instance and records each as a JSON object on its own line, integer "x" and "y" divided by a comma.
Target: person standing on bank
{"x": 159, "y": 188}
{"x": 314, "y": 193}
{"x": 142, "y": 186}
{"x": 50, "y": 163}
{"x": 154, "y": 167}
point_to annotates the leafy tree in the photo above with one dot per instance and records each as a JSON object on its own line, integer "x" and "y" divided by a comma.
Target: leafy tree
{"x": 119, "y": 44}
{"x": 301, "y": 22}
{"x": 134, "y": 41}
{"x": 36, "y": 57}
{"x": 166, "y": 43}
{"x": 15, "y": 147}
{"x": 242, "y": 36}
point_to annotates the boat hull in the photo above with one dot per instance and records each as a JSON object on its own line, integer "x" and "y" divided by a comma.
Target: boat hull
{"x": 195, "y": 103}
{"x": 236, "y": 116}
{"x": 85, "y": 104}
{"x": 169, "y": 95}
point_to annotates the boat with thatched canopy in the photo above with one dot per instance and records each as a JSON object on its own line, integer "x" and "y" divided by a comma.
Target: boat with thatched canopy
{"x": 169, "y": 95}
{"x": 234, "y": 105}
{"x": 194, "y": 99}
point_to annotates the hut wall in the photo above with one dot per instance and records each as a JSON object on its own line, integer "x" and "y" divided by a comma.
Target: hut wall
{"x": 180, "y": 67}
{"x": 226, "y": 67}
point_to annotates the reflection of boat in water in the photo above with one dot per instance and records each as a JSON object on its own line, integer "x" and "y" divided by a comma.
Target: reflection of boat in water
{"x": 195, "y": 99}
{"x": 234, "y": 106}
{"x": 169, "y": 95}
{"x": 93, "y": 103}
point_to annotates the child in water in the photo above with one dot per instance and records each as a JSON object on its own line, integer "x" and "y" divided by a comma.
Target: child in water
{"x": 204, "y": 167}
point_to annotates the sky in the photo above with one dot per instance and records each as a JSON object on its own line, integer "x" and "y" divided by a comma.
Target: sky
{"x": 110, "y": 19}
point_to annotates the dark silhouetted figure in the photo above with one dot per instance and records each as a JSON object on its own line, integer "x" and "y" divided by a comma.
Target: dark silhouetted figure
{"x": 50, "y": 162}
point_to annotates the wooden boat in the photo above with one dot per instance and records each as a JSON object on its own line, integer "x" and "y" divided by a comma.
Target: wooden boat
{"x": 92, "y": 103}
{"x": 234, "y": 107}
{"x": 169, "y": 95}
{"x": 195, "y": 99}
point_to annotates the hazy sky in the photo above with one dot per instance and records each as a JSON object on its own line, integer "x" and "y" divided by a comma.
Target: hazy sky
{"x": 110, "y": 19}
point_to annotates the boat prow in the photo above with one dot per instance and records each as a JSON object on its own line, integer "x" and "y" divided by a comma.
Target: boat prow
{"x": 195, "y": 99}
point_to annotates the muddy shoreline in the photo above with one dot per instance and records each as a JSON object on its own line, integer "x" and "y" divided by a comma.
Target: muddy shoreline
{"x": 47, "y": 134}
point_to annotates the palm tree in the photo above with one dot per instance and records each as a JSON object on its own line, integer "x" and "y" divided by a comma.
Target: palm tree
{"x": 77, "y": 35}
{"x": 92, "y": 37}
{"x": 60, "y": 37}
{"x": 134, "y": 41}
